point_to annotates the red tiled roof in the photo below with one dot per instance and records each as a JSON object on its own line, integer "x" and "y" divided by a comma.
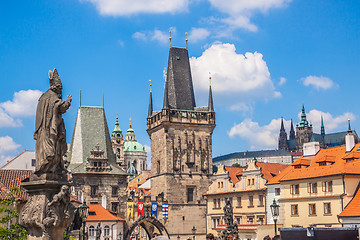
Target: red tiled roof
{"x": 98, "y": 213}
{"x": 340, "y": 166}
{"x": 12, "y": 178}
{"x": 234, "y": 172}
{"x": 269, "y": 170}
{"x": 353, "y": 207}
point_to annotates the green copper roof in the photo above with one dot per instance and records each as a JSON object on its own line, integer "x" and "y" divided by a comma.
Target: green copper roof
{"x": 132, "y": 170}
{"x": 133, "y": 146}
{"x": 117, "y": 133}
{"x": 303, "y": 122}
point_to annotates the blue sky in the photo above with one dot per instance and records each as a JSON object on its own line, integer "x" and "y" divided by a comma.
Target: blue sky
{"x": 267, "y": 57}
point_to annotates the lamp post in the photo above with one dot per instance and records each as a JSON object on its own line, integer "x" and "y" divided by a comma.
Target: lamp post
{"x": 178, "y": 237}
{"x": 193, "y": 232}
{"x": 83, "y": 214}
{"x": 275, "y": 213}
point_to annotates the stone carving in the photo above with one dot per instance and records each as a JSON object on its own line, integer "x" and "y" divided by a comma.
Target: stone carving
{"x": 98, "y": 232}
{"x": 48, "y": 211}
{"x": 50, "y": 133}
{"x": 231, "y": 226}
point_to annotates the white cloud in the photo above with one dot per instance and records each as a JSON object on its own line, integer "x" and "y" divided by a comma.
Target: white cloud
{"x": 319, "y": 83}
{"x": 259, "y": 137}
{"x": 7, "y": 148}
{"x": 8, "y": 121}
{"x": 239, "y": 12}
{"x": 330, "y": 122}
{"x": 198, "y": 34}
{"x": 282, "y": 81}
{"x": 127, "y": 8}
{"x": 121, "y": 43}
{"x": 23, "y": 104}
{"x": 235, "y": 77}
{"x": 154, "y": 35}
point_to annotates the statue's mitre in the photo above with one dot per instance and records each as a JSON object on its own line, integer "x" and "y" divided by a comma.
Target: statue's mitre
{"x": 54, "y": 78}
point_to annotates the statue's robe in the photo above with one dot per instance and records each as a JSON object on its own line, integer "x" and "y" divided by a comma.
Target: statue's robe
{"x": 50, "y": 133}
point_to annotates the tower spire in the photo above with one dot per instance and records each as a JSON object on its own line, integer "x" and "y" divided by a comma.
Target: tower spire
{"x": 322, "y": 127}
{"x": 150, "y": 102}
{"x": 210, "y": 102}
{"x": 282, "y": 128}
{"x": 292, "y": 131}
{"x": 349, "y": 129}
{"x": 166, "y": 96}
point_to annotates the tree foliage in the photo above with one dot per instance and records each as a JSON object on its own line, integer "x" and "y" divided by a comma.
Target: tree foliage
{"x": 9, "y": 228}
{"x": 236, "y": 165}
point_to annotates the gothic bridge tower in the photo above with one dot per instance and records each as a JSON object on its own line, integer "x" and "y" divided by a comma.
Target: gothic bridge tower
{"x": 181, "y": 149}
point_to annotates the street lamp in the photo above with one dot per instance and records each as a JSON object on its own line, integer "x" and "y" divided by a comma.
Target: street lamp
{"x": 83, "y": 214}
{"x": 275, "y": 213}
{"x": 178, "y": 237}
{"x": 193, "y": 232}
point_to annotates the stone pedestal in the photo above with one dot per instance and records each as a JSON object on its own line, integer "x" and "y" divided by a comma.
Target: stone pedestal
{"x": 48, "y": 211}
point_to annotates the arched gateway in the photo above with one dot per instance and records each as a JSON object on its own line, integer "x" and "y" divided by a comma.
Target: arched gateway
{"x": 150, "y": 224}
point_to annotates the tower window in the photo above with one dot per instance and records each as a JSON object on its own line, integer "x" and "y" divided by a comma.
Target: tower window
{"x": 33, "y": 162}
{"x": 190, "y": 194}
{"x": 93, "y": 190}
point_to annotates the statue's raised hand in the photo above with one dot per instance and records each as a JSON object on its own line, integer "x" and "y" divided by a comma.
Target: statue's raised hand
{"x": 68, "y": 99}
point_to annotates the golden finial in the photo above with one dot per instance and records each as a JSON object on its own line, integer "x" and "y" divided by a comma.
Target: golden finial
{"x": 186, "y": 40}
{"x": 130, "y": 122}
{"x": 210, "y": 78}
{"x": 170, "y": 37}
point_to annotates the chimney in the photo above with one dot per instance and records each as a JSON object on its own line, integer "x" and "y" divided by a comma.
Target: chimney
{"x": 311, "y": 148}
{"x": 349, "y": 139}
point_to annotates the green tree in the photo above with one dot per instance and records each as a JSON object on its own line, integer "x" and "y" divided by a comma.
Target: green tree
{"x": 236, "y": 165}
{"x": 10, "y": 229}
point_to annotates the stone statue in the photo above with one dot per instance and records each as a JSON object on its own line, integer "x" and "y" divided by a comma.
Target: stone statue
{"x": 48, "y": 211}
{"x": 50, "y": 133}
{"x": 231, "y": 230}
{"x": 98, "y": 232}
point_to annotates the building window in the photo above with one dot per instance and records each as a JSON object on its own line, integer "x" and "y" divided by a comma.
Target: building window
{"x": 106, "y": 230}
{"x": 250, "y": 220}
{"x": 251, "y": 201}
{"x": 327, "y": 208}
{"x": 252, "y": 181}
{"x": 91, "y": 231}
{"x": 249, "y": 182}
{"x": 312, "y": 187}
{"x": 215, "y": 222}
{"x": 238, "y": 220}
{"x": 294, "y": 189}
{"x": 261, "y": 200}
{"x": 294, "y": 210}
{"x": 277, "y": 191}
{"x": 190, "y": 194}
{"x": 327, "y": 186}
{"x": 312, "y": 209}
{"x": 114, "y": 190}
{"x": 114, "y": 206}
{"x": 93, "y": 190}
{"x": 260, "y": 220}
{"x": 238, "y": 202}
{"x": 33, "y": 162}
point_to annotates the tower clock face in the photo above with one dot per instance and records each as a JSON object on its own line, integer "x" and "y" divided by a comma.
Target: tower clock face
{"x": 118, "y": 141}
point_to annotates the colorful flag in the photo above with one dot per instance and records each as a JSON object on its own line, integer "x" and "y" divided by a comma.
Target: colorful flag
{"x": 165, "y": 210}
{"x": 130, "y": 209}
{"x": 154, "y": 207}
{"x": 141, "y": 208}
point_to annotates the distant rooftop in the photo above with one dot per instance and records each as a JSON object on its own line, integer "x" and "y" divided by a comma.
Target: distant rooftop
{"x": 252, "y": 154}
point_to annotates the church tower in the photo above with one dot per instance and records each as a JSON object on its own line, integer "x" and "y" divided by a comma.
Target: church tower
{"x": 304, "y": 131}
{"x": 283, "y": 144}
{"x": 117, "y": 142}
{"x": 181, "y": 149}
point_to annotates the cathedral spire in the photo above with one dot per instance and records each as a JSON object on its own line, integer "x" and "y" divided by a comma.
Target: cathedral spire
{"x": 150, "y": 102}
{"x": 292, "y": 132}
{"x": 322, "y": 127}
{"x": 282, "y": 125}
{"x": 283, "y": 144}
{"x": 210, "y": 103}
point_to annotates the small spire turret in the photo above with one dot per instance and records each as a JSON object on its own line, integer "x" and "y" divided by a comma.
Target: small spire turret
{"x": 150, "y": 111}
{"x": 322, "y": 127}
{"x": 210, "y": 102}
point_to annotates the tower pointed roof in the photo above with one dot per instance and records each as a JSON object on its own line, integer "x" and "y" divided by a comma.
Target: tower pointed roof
{"x": 303, "y": 121}
{"x": 150, "y": 103}
{"x": 179, "y": 92}
{"x": 292, "y": 131}
{"x": 117, "y": 133}
{"x": 322, "y": 127}
{"x": 210, "y": 103}
{"x": 91, "y": 130}
{"x": 282, "y": 128}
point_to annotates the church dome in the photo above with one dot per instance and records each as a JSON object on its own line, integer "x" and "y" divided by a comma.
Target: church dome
{"x": 133, "y": 146}
{"x": 132, "y": 170}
